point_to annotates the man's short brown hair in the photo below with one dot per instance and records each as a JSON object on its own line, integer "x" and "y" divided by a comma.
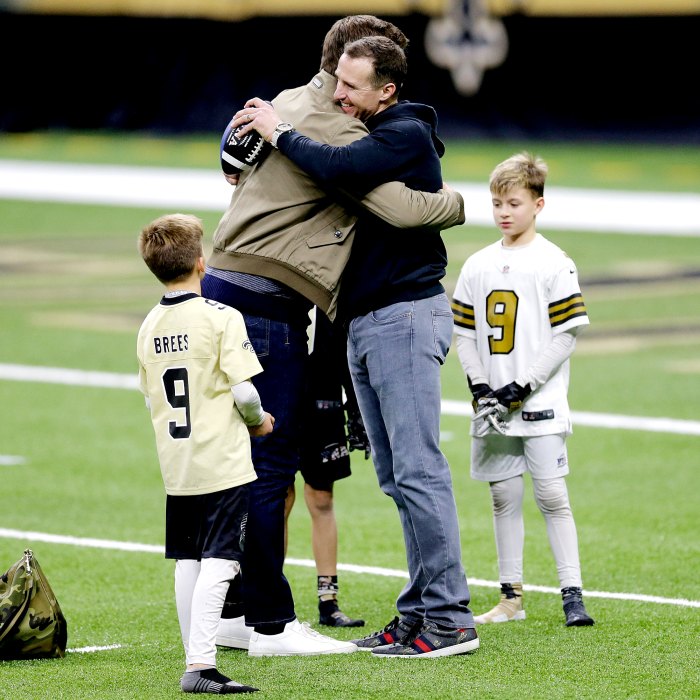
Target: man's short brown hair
{"x": 352, "y": 28}
{"x": 388, "y": 59}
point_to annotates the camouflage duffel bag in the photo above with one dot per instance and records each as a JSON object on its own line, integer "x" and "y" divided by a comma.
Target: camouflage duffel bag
{"x": 32, "y": 625}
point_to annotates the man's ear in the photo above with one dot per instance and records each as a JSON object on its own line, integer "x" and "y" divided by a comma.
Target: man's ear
{"x": 539, "y": 204}
{"x": 388, "y": 92}
{"x": 201, "y": 265}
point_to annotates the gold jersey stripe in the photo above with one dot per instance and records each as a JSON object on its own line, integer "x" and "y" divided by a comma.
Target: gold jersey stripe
{"x": 463, "y": 315}
{"x": 566, "y": 309}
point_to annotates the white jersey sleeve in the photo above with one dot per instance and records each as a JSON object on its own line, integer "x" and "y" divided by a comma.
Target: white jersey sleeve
{"x": 247, "y": 401}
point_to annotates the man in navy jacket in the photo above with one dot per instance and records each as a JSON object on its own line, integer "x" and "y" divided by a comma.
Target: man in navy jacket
{"x": 399, "y": 332}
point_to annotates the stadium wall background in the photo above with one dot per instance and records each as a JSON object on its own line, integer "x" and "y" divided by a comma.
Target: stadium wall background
{"x": 595, "y": 78}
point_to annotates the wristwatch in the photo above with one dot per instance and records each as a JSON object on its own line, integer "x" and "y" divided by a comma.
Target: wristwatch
{"x": 281, "y": 128}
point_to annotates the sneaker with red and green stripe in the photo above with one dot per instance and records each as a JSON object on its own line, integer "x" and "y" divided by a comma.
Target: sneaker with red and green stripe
{"x": 433, "y": 641}
{"x": 398, "y": 631}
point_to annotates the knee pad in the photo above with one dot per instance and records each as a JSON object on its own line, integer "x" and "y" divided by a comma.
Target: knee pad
{"x": 551, "y": 495}
{"x": 507, "y": 495}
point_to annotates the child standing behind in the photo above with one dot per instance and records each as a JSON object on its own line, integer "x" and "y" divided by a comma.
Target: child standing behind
{"x": 517, "y": 308}
{"x": 195, "y": 364}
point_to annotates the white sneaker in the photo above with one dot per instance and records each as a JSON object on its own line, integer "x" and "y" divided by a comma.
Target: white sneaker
{"x": 233, "y": 633}
{"x": 298, "y": 639}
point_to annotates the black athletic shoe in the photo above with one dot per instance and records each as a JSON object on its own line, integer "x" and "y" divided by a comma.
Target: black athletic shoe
{"x": 337, "y": 618}
{"x": 209, "y": 680}
{"x": 574, "y": 609}
{"x": 396, "y": 632}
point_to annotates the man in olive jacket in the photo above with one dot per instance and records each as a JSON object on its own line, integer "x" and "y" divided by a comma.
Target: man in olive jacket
{"x": 280, "y": 248}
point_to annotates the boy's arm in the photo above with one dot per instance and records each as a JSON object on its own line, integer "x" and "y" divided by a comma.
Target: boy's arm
{"x": 486, "y": 415}
{"x": 470, "y": 360}
{"x": 511, "y": 396}
{"x": 477, "y": 377}
{"x": 553, "y": 356}
{"x": 247, "y": 401}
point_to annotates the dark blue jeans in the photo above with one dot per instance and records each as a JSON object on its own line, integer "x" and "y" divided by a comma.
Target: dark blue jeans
{"x": 283, "y": 352}
{"x": 282, "y": 348}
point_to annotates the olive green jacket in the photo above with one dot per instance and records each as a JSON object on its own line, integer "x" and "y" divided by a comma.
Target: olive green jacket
{"x": 282, "y": 225}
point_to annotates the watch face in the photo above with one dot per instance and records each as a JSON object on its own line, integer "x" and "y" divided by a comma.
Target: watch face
{"x": 281, "y": 128}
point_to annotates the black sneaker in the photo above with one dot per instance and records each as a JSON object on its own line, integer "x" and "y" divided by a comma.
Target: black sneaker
{"x": 434, "y": 641}
{"x": 396, "y": 632}
{"x": 335, "y": 617}
{"x": 574, "y": 609}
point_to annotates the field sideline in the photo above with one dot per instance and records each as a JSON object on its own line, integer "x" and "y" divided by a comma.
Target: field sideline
{"x": 567, "y": 209}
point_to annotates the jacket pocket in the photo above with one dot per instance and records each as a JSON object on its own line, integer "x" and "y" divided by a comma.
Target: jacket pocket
{"x": 333, "y": 232}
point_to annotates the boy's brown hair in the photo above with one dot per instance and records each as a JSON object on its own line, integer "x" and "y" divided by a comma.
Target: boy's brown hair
{"x": 521, "y": 170}
{"x": 171, "y": 245}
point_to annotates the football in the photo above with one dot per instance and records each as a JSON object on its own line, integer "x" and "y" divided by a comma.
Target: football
{"x": 238, "y": 154}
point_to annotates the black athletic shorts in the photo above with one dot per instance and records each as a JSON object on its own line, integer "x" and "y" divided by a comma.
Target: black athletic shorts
{"x": 211, "y": 525}
{"x": 324, "y": 456}
{"x": 324, "y": 453}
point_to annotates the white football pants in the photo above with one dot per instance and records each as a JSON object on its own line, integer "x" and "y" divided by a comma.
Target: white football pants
{"x": 552, "y": 498}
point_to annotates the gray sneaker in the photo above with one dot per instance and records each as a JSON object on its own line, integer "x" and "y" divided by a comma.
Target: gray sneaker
{"x": 398, "y": 631}
{"x": 433, "y": 641}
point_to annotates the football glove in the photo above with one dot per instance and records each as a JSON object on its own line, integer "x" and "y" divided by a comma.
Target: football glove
{"x": 357, "y": 435}
{"x": 479, "y": 391}
{"x": 489, "y": 409}
{"x": 511, "y": 396}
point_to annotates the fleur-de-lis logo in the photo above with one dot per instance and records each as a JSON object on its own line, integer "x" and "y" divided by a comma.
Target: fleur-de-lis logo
{"x": 467, "y": 41}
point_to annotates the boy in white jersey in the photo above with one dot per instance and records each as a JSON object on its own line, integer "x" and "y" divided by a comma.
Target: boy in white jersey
{"x": 517, "y": 309}
{"x": 195, "y": 363}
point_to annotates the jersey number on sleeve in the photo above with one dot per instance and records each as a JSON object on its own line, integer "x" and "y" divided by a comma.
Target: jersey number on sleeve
{"x": 501, "y": 312}
{"x": 177, "y": 390}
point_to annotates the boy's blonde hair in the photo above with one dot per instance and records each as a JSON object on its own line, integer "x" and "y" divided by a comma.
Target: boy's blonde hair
{"x": 521, "y": 170}
{"x": 170, "y": 246}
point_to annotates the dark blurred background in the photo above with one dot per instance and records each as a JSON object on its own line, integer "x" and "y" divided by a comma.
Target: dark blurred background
{"x": 596, "y": 77}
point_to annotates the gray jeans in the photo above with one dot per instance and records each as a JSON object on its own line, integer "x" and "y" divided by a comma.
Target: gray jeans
{"x": 395, "y": 354}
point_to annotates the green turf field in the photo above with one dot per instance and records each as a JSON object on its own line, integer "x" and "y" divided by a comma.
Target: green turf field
{"x": 79, "y": 461}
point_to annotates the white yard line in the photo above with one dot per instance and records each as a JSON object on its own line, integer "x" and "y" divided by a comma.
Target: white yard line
{"x": 180, "y": 188}
{"x": 309, "y": 563}
{"x": 112, "y": 380}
